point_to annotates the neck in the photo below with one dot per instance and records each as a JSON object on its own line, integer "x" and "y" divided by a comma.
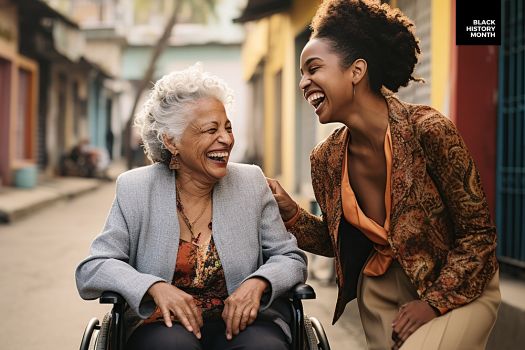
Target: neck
{"x": 192, "y": 187}
{"x": 367, "y": 121}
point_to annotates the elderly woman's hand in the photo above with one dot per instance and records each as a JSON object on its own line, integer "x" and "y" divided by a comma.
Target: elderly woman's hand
{"x": 287, "y": 206}
{"x": 172, "y": 300}
{"x": 242, "y": 306}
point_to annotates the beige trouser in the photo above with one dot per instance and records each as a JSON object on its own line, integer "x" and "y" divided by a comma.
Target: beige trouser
{"x": 464, "y": 328}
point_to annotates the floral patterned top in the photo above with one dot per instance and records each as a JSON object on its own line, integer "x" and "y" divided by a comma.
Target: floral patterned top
{"x": 199, "y": 272}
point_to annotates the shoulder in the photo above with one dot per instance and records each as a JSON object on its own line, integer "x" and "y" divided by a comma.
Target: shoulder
{"x": 431, "y": 126}
{"x": 145, "y": 173}
{"x": 243, "y": 174}
{"x": 426, "y": 120}
{"x": 140, "y": 179}
{"x": 326, "y": 146}
{"x": 243, "y": 182}
{"x": 240, "y": 170}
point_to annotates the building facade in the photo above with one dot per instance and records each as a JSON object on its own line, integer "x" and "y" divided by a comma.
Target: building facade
{"x": 121, "y": 36}
{"x": 19, "y": 98}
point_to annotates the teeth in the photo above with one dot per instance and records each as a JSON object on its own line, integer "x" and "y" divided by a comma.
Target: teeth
{"x": 315, "y": 96}
{"x": 217, "y": 154}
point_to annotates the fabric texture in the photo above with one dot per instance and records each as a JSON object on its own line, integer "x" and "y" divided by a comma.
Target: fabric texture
{"x": 440, "y": 227}
{"x": 467, "y": 327}
{"x": 199, "y": 272}
{"x": 380, "y": 261}
{"x": 260, "y": 335}
{"x": 139, "y": 243}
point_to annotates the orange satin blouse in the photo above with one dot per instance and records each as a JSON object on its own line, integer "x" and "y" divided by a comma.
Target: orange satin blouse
{"x": 381, "y": 260}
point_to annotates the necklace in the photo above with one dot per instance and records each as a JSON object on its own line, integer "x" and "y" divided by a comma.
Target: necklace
{"x": 189, "y": 225}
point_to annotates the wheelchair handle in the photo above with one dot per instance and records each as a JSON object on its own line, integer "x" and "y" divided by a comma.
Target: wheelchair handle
{"x": 303, "y": 291}
{"x": 111, "y": 298}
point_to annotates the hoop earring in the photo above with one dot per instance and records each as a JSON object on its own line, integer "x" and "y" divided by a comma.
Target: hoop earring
{"x": 174, "y": 162}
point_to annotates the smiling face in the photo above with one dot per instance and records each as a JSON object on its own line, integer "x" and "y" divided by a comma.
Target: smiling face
{"x": 325, "y": 84}
{"x": 206, "y": 144}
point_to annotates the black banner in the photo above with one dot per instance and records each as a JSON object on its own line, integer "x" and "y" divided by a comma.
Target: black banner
{"x": 478, "y": 22}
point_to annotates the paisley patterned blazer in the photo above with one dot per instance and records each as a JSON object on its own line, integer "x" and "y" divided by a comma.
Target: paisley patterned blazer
{"x": 441, "y": 232}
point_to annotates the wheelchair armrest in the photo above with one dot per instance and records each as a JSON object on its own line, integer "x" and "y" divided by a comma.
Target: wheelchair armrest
{"x": 111, "y": 298}
{"x": 303, "y": 291}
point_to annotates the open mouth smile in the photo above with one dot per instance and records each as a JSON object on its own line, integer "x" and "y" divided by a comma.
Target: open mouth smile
{"x": 221, "y": 157}
{"x": 316, "y": 99}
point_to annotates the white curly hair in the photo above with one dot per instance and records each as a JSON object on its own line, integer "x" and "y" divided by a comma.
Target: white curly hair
{"x": 167, "y": 111}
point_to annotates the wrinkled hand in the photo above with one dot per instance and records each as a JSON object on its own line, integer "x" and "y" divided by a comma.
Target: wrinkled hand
{"x": 287, "y": 206}
{"x": 242, "y": 306}
{"x": 410, "y": 317}
{"x": 172, "y": 300}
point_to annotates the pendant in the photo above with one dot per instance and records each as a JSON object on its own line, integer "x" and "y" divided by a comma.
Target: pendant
{"x": 195, "y": 240}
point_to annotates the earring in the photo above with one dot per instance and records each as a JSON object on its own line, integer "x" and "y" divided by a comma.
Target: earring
{"x": 174, "y": 162}
{"x": 353, "y": 86}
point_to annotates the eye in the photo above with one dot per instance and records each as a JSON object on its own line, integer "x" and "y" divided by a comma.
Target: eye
{"x": 211, "y": 130}
{"x": 313, "y": 69}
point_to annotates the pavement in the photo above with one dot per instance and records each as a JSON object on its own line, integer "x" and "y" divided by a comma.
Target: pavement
{"x": 17, "y": 203}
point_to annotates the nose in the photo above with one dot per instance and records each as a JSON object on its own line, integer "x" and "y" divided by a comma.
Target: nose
{"x": 304, "y": 82}
{"x": 225, "y": 138}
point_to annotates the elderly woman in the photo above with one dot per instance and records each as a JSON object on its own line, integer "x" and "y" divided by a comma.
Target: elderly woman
{"x": 195, "y": 244}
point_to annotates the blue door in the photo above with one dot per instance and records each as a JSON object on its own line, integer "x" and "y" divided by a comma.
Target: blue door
{"x": 510, "y": 183}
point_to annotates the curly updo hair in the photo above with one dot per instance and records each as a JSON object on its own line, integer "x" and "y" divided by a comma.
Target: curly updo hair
{"x": 382, "y": 36}
{"x": 168, "y": 109}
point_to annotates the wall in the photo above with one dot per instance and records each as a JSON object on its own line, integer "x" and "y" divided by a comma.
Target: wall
{"x": 221, "y": 60}
{"x": 17, "y": 117}
{"x": 474, "y": 109}
{"x": 8, "y": 53}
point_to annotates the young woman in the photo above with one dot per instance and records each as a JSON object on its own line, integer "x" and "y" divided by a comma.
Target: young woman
{"x": 403, "y": 210}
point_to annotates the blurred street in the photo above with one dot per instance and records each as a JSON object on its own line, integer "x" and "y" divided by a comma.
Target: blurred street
{"x": 41, "y": 307}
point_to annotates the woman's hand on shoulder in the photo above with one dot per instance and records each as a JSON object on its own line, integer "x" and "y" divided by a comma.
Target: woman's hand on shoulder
{"x": 410, "y": 317}
{"x": 173, "y": 301}
{"x": 242, "y": 306}
{"x": 287, "y": 206}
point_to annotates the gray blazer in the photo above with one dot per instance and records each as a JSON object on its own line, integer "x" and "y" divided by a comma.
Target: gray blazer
{"x": 139, "y": 243}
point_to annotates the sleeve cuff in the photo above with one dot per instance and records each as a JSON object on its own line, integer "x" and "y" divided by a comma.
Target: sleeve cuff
{"x": 439, "y": 311}
{"x": 288, "y": 224}
{"x": 442, "y": 310}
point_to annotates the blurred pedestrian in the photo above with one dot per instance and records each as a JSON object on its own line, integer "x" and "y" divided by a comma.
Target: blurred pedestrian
{"x": 403, "y": 210}
{"x": 197, "y": 285}
{"x": 88, "y": 160}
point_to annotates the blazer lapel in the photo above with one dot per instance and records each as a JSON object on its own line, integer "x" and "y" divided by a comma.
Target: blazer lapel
{"x": 169, "y": 235}
{"x": 224, "y": 231}
{"x": 335, "y": 161}
{"x": 408, "y": 164}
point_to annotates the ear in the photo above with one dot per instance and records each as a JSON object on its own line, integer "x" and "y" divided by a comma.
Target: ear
{"x": 358, "y": 69}
{"x": 170, "y": 144}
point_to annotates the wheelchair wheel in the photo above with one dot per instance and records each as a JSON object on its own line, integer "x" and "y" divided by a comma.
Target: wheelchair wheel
{"x": 90, "y": 333}
{"x": 310, "y": 339}
{"x": 320, "y": 334}
{"x": 102, "y": 340}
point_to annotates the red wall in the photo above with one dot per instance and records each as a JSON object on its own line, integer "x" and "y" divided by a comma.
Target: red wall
{"x": 474, "y": 108}
{"x": 5, "y": 115}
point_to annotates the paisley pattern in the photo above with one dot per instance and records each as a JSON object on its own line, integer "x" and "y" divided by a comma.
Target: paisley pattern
{"x": 199, "y": 272}
{"x": 441, "y": 232}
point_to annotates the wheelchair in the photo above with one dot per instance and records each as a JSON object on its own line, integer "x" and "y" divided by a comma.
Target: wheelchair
{"x": 307, "y": 332}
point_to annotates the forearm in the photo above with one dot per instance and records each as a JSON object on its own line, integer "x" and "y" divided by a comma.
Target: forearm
{"x": 312, "y": 234}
